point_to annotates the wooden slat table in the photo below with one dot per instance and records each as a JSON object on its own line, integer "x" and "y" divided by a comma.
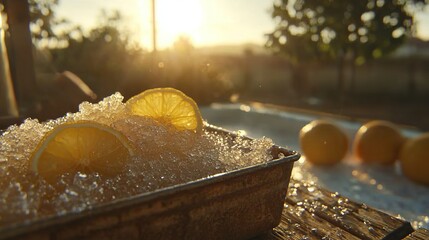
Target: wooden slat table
{"x": 419, "y": 234}
{"x": 312, "y": 212}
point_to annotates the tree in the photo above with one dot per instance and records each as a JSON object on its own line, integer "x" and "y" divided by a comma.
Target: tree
{"x": 42, "y": 18}
{"x": 104, "y": 57}
{"x": 44, "y": 22}
{"x": 183, "y": 45}
{"x": 309, "y": 30}
{"x": 193, "y": 74}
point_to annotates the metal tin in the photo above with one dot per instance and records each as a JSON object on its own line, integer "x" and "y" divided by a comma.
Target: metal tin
{"x": 231, "y": 205}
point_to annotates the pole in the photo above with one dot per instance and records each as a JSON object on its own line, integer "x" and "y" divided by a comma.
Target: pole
{"x": 21, "y": 55}
{"x": 154, "y": 27}
{"x": 8, "y": 106}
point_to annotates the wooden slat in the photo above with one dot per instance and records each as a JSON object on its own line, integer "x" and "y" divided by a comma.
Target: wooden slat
{"x": 297, "y": 223}
{"x": 419, "y": 234}
{"x": 358, "y": 219}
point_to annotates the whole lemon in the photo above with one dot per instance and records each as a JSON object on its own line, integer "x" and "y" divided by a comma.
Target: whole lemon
{"x": 378, "y": 142}
{"x": 323, "y": 143}
{"x": 414, "y": 159}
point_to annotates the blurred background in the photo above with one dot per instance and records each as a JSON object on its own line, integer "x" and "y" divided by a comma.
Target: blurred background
{"x": 362, "y": 59}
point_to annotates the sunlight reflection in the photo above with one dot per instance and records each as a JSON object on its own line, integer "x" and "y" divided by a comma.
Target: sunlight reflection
{"x": 244, "y": 108}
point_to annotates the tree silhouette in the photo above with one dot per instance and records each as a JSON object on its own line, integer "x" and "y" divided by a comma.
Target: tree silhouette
{"x": 108, "y": 60}
{"x": 308, "y": 30}
{"x": 194, "y": 75}
{"x": 183, "y": 44}
{"x": 104, "y": 57}
{"x": 44, "y": 22}
{"x": 42, "y": 18}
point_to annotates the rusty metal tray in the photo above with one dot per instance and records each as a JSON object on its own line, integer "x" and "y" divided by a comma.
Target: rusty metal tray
{"x": 232, "y": 205}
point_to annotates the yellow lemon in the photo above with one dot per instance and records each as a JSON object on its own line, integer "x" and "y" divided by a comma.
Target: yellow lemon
{"x": 323, "y": 143}
{"x": 83, "y": 146}
{"x": 167, "y": 106}
{"x": 414, "y": 159}
{"x": 378, "y": 142}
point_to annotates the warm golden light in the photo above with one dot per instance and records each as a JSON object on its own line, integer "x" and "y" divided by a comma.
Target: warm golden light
{"x": 176, "y": 18}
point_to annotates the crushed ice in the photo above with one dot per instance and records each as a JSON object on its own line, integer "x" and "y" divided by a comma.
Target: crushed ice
{"x": 165, "y": 158}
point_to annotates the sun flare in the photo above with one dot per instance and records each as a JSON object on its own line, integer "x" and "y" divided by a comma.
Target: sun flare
{"x": 177, "y": 18}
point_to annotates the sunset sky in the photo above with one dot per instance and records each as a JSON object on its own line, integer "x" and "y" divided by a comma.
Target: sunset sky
{"x": 205, "y": 22}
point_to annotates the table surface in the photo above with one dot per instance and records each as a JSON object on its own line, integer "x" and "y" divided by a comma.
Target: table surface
{"x": 374, "y": 202}
{"x": 311, "y": 212}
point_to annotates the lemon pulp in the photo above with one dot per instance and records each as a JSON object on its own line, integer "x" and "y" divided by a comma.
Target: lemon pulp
{"x": 83, "y": 146}
{"x": 167, "y": 106}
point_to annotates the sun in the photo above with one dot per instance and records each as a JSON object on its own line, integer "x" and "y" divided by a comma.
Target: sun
{"x": 177, "y": 18}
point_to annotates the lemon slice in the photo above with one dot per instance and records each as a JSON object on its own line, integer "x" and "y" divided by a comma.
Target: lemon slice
{"x": 167, "y": 106}
{"x": 83, "y": 146}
